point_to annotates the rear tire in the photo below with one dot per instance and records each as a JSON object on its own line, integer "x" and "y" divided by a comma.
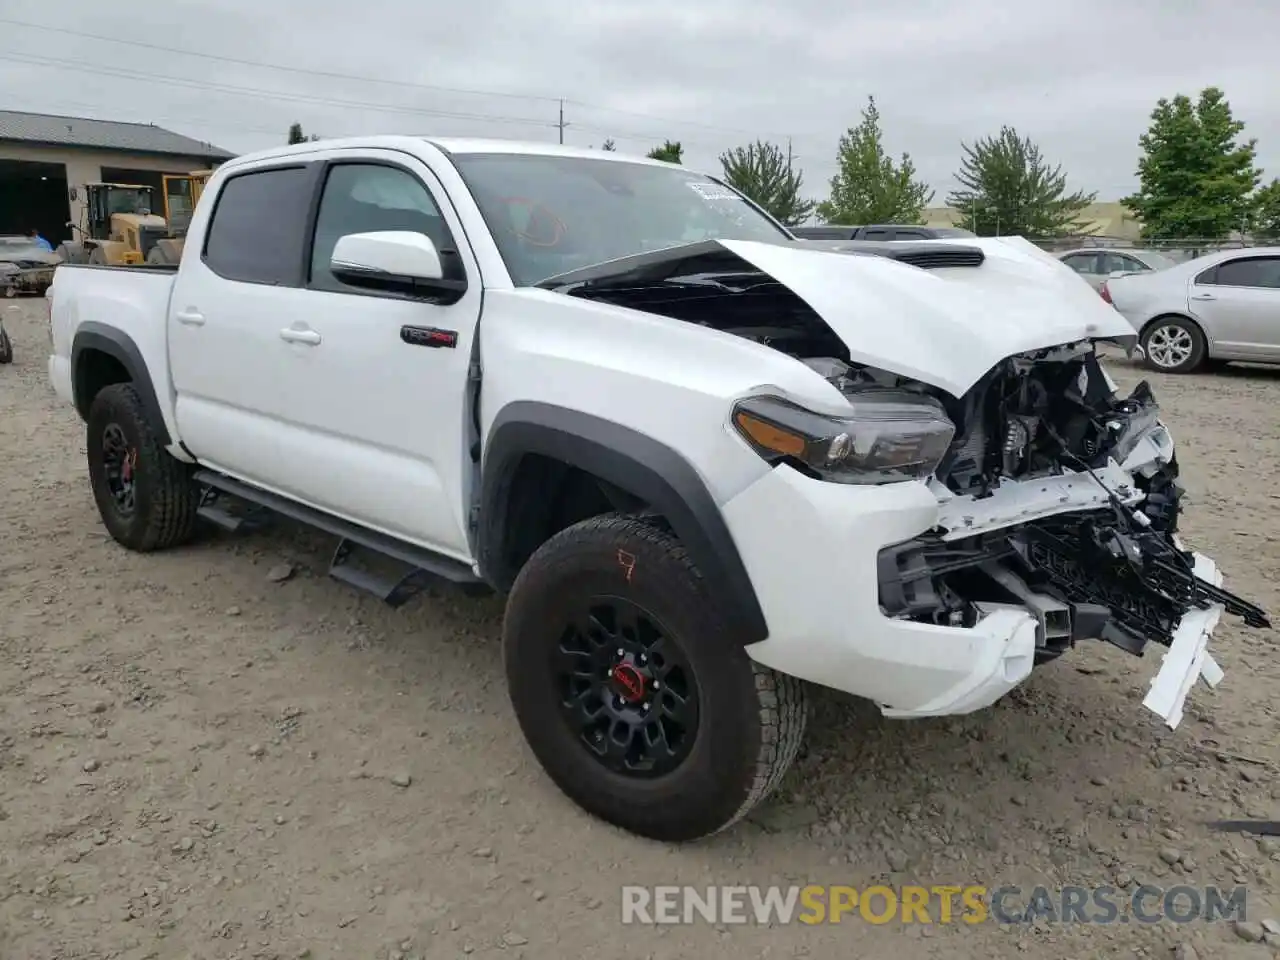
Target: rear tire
{"x": 1173, "y": 345}
{"x": 146, "y": 497}
{"x": 717, "y": 730}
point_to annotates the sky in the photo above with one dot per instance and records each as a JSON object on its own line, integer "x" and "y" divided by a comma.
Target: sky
{"x": 1080, "y": 77}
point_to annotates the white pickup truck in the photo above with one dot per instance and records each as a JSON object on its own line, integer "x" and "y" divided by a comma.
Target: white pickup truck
{"x": 707, "y": 463}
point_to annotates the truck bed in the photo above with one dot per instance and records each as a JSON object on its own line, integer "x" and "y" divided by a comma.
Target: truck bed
{"x": 126, "y": 305}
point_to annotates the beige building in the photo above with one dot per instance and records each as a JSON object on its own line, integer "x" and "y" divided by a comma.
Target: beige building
{"x": 45, "y": 161}
{"x": 1110, "y": 220}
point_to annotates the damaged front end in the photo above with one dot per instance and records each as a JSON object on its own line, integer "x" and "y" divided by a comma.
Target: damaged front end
{"x": 1055, "y": 495}
{"x": 1061, "y": 498}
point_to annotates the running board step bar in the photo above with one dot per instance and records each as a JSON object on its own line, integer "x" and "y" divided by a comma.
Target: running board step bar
{"x": 409, "y": 568}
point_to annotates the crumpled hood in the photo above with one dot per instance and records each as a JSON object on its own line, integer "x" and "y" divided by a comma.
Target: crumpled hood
{"x": 945, "y": 327}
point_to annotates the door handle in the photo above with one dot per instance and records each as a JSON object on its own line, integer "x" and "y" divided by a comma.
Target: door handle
{"x": 191, "y": 318}
{"x": 294, "y": 335}
{"x": 1203, "y": 296}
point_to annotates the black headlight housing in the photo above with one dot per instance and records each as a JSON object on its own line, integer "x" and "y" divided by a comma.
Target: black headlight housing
{"x": 888, "y": 436}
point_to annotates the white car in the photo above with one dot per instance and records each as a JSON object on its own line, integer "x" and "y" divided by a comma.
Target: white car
{"x": 1219, "y": 307}
{"x": 707, "y": 463}
{"x": 1096, "y": 264}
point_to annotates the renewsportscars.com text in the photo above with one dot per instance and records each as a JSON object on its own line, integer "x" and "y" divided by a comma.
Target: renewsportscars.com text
{"x": 817, "y": 904}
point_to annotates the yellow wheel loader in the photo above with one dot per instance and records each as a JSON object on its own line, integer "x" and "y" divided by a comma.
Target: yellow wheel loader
{"x": 181, "y": 194}
{"x": 119, "y": 227}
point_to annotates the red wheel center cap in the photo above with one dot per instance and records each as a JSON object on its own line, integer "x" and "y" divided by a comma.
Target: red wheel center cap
{"x": 629, "y": 682}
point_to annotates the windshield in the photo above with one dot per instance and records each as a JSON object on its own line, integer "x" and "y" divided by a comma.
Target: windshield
{"x": 125, "y": 200}
{"x": 549, "y": 215}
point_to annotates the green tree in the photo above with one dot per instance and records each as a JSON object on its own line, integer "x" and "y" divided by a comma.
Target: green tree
{"x": 1007, "y": 187}
{"x": 608, "y": 145}
{"x": 764, "y": 173}
{"x": 870, "y": 187}
{"x": 672, "y": 151}
{"x": 1267, "y": 218}
{"x": 297, "y": 136}
{"x": 1196, "y": 179}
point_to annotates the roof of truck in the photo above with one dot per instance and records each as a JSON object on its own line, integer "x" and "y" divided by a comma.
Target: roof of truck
{"x": 452, "y": 145}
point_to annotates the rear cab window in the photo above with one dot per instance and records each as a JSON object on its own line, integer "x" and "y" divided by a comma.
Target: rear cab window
{"x": 258, "y": 230}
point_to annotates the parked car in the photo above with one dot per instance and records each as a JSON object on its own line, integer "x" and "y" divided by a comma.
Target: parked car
{"x": 1219, "y": 307}
{"x": 705, "y": 471}
{"x": 25, "y": 267}
{"x": 1096, "y": 264}
{"x": 882, "y": 231}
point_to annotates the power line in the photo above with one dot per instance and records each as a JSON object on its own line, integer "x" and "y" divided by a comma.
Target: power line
{"x": 138, "y": 75}
{"x": 66, "y": 31}
{"x": 305, "y": 71}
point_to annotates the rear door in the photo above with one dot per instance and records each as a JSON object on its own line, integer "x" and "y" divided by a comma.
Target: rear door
{"x": 232, "y": 295}
{"x": 1238, "y": 304}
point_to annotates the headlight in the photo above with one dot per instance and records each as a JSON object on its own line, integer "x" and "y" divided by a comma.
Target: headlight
{"x": 888, "y": 436}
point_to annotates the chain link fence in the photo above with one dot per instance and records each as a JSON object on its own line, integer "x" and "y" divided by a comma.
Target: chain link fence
{"x": 1178, "y": 250}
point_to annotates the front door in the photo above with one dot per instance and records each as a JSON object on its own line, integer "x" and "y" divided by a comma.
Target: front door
{"x": 1238, "y": 304}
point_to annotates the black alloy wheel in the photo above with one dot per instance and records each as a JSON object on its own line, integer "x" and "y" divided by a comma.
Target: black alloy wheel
{"x": 626, "y": 688}
{"x": 119, "y": 461}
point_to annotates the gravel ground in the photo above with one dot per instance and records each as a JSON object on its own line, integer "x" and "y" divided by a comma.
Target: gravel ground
{"x": 201, "y": 757}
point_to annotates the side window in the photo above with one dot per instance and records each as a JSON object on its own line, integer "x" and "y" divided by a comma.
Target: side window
{"x": 257, "y": 232}
{"x": 876, "y": 235}
{"x": 1082, "y": 262}
{"x": 366, "y": 198}
{"x": 1119, "y": 263}
{"x": 909, "y": 235}
{"x": 1250, "y": 272}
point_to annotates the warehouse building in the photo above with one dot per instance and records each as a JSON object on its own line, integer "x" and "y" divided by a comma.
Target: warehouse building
{"x": 45, "y": 161}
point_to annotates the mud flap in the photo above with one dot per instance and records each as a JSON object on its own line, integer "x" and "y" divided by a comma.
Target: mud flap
{"x": 1187, "y": 658}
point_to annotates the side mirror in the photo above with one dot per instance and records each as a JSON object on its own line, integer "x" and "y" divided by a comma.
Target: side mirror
{"x": 397, "y": 261}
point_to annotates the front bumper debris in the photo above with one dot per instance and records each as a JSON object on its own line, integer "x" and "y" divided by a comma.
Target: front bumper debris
{"x": 1188, "y": 657}
{"x": 1096, "y": 574}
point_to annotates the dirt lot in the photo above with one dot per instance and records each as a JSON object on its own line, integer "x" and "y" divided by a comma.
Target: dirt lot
{"x": 199, "y": 761}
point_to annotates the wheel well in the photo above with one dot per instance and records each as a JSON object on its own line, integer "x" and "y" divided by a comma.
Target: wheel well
{"x": 95, "y": 370}
{"x": 546, "y": 496}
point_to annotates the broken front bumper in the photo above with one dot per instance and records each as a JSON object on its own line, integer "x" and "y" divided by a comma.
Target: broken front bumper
{"x": 819, "y": 570}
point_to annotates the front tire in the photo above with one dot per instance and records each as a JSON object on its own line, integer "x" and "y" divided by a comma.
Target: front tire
{"x": 631, "y": 689}
{"x": 1173, "y": 345}
{"x": 6, "y": 347}
{"x": 146, "y": 497}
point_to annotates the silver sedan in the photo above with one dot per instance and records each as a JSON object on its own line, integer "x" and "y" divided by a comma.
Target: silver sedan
{"x": 1219, "y": 307}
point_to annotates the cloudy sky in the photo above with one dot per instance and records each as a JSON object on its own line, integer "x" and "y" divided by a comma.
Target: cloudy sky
{"x": 1079, "y": 76}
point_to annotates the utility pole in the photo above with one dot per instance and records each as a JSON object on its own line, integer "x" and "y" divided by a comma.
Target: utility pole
{"x": 561, "y": 124}
{"x": 788, "y": 154}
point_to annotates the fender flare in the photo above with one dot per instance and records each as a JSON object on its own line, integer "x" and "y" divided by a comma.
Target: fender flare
{"x": 120, "y": 346}
{"x": 632, "y": 462}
